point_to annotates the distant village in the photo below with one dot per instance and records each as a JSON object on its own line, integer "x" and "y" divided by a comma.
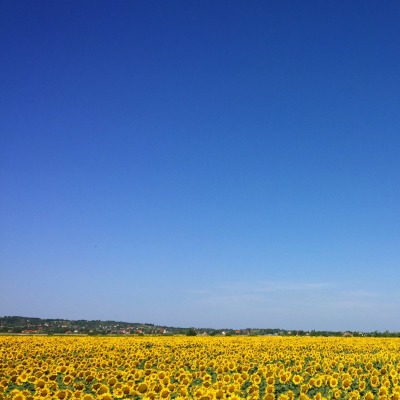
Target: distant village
{"x": 39, "y": 326}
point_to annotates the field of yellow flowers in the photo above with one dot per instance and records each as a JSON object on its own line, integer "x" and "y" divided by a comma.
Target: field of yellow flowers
{"x": 200, "y": 368}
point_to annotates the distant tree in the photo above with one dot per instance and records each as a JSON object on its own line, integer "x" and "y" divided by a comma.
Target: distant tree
{"x": 191, "y": 332}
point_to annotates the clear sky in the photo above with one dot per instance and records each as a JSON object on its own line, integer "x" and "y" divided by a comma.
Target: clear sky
{"x": 201, "y": 163}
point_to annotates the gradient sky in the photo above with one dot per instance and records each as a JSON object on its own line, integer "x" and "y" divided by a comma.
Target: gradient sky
{"x": 200, "y": 163}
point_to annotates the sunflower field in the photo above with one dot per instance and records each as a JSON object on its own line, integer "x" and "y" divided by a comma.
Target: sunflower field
{"x": 200, "y": 368}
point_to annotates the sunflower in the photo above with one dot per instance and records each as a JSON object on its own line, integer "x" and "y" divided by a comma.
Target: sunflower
{"x": 17, "y": 395}
{"x": 112, "y": 381}
{"x": 333, "y": 382}
{"x": 271, "y": 380}
{"x": 40, "y": 383}
{"x": 297, "y": 379}
{"x": 290, "y": 394}
{"x": 396, "y": 390}
{"x": 67, "y": 380}
{"x": 284, "y": 378}
{"x": 106, "y": 396}
{"x": 346, "y": 383}
{"x": 101, "y": 389}
{"x": 43, "y": 392}
{"x": 87, "y": 396}
{"x": 164, "y": 393}
{"x": 383, "y": 391}
{"x": 22, "y": 378}
{"x": 369, "y": 396}
{"x": 369, "y": 366}
{"x": 354, "y": 395}
{"x": 270, "y": 389}
{"x": 318, "y": 382}
{"x": 61, "y": 369}
{"x": 118, "y": 393}
{"x": 232, "y": 388}
{"x": 52, "y": 377}
{"x": 337, "y": 393}
{"x": 150, "y": 395}
{"x": 61, "y": 394}
{"x": 142, "y": 387}
{"x": 386, "y": 382}
{"x": 374, "y": 381}
{"x": 79, "y": 386}
{"x": 161, "y": 375}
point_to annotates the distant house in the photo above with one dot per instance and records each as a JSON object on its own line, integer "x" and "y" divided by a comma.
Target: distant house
{"x": 28, "y": 331}
{"x": 347, "y": 334}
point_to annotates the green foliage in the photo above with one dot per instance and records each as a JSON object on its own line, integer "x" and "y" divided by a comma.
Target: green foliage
{"x": 245, "y": 387}
{"x": 211, "y": 371}
{"x": 196, "y": 382}
{"x": 262, "y": 387}
{"x": 253, "y": 370}
{"x": 25, "y": 386}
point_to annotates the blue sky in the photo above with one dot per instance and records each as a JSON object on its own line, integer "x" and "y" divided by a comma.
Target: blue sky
{"x": 214, "y": 164}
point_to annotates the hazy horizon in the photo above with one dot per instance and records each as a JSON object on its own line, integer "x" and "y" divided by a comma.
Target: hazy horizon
{"x": 149, "y": 323}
